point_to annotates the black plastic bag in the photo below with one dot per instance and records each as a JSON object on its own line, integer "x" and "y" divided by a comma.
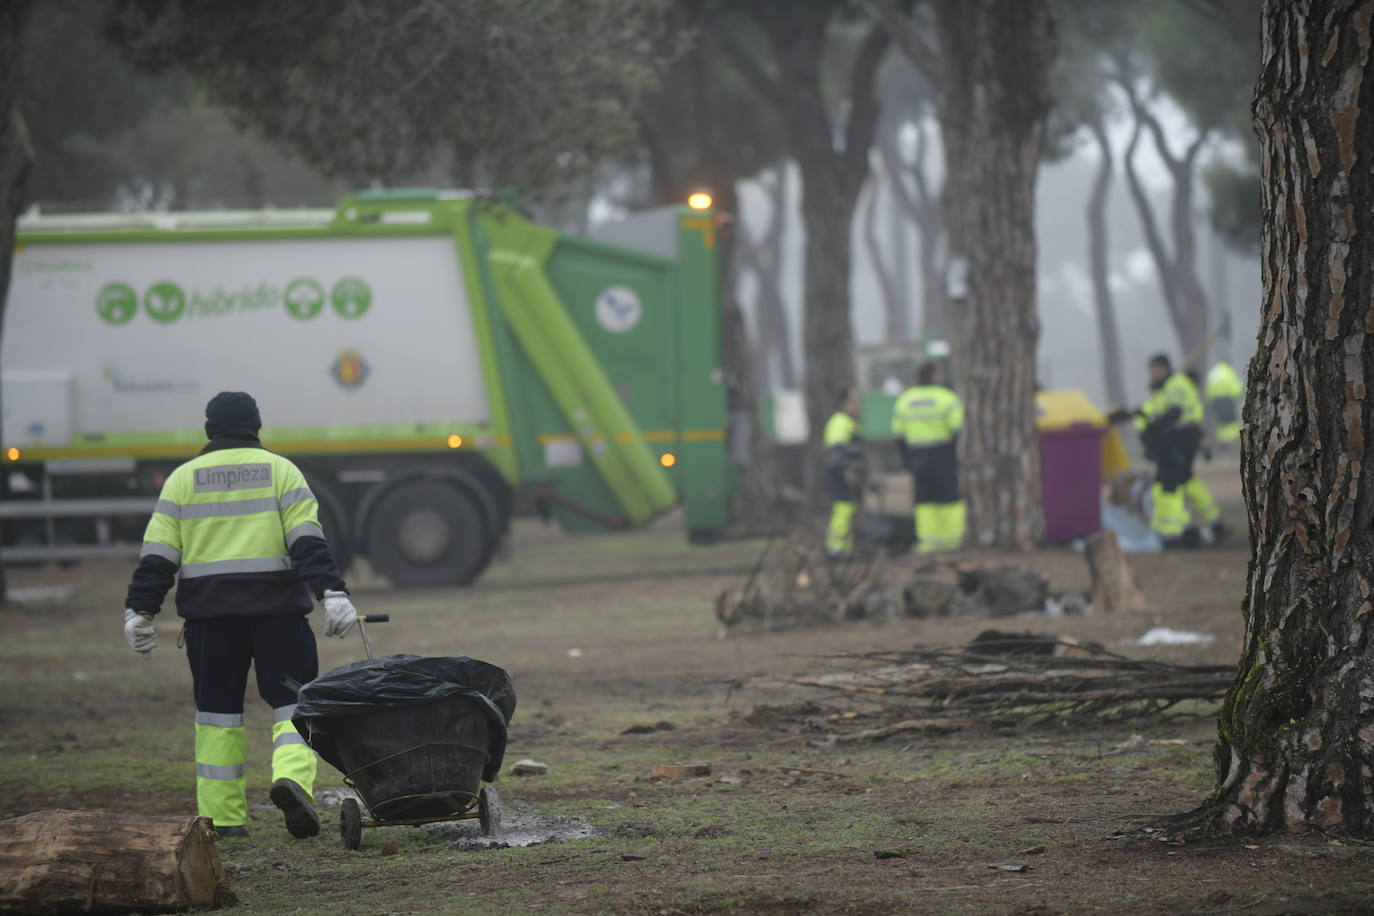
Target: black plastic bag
{"x": 397, "y": 681}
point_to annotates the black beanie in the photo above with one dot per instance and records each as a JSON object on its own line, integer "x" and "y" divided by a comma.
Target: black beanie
{"x": 232, "y": 414}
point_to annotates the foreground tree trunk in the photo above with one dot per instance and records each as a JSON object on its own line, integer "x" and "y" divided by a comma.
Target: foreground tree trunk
{"x": 1296, "y": 748}
{"x": 16, "y": 156}
{"x": 993, "y": 101}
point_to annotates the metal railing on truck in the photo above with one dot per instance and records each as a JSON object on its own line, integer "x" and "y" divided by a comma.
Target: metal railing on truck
{"x": 50, "y": 509}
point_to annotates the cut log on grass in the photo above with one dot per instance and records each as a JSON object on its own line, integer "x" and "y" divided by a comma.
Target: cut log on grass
{"x": 1114, "y": 587}
{"x": 93, "y": 862}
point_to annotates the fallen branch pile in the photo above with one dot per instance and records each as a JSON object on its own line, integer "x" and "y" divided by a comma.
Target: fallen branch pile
{"x": 996, "y": 682}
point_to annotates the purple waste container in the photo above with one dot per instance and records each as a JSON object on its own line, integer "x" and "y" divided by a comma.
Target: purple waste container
{"x": 1071, "y": 481}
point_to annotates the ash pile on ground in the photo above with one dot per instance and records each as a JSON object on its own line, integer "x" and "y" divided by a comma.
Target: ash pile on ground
{"x": 521, "y": 825}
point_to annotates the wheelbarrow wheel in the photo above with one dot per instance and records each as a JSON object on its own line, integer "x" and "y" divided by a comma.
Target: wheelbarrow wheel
{"x": 489, "y": 811}
{"x": 351, "y": 824}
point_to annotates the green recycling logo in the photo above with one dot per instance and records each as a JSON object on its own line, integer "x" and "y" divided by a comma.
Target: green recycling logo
{"x": 351, "y": 297}
{"x": 164, "y": 302}
{"x": 303, "y": 298}
{"x": 116, "y": 303}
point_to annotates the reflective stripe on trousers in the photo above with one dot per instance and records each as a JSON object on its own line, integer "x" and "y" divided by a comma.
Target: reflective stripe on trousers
{"x": 221, "y": 752}
{"x": 292, "y": 758}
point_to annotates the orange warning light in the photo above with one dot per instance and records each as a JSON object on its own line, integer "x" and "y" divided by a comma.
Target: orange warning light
{"x": 455, "y": 441}
{"x": 667, "y": 459}
{"x": 12, "y": 453}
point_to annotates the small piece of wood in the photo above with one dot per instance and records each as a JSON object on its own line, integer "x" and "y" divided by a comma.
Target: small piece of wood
{"x": 91, "y": 861}
{"x": 1114, "y": 587}
{"x": 937, "y": 726}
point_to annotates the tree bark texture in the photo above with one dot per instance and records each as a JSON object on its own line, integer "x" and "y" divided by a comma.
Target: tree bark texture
{"x": 993, "y": 102}
{"x": 16, "y": 157}
{"x": 1108, "y": 333}
{"x": 1296, "y": 746}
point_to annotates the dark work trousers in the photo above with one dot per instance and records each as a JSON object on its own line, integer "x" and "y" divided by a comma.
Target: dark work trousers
{"x": 1174, "y": 459}
{"x": 221, "y": 650}
{"x": 934, "y": 473}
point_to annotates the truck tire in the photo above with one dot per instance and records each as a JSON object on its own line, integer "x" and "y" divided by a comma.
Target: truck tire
{"x": 426, "y": 533}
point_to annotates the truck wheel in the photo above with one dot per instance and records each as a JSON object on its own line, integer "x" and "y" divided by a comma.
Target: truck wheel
{"x": 425, "y": 532}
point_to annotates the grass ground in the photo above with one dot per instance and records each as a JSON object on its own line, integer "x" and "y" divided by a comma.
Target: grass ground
{"x": 910, "y": 824}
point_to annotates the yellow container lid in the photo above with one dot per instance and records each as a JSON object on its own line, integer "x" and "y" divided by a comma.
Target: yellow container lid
{"x": 1070, "y": 407}
{"x": 1065, "y": 408}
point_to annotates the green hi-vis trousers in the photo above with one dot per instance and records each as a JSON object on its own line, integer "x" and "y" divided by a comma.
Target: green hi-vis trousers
{"x": 221, "y": 651}
{"x": 839, "y": 536}
{"x": 940, "y": 526}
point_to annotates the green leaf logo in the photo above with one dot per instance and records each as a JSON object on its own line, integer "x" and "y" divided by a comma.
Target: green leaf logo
{"x": 303, "y": 298}
{"x": 116, "y": 303}
{"x": 351, "y": 297}
{"x": 164, "y": 302}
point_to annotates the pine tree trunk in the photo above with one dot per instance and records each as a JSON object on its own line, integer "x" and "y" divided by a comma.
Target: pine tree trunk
{"x": 993, "y": 101}
{"x": 1296, "y": 748}
{"x": 827, "y": 334}
{"x": 16, "y": 157}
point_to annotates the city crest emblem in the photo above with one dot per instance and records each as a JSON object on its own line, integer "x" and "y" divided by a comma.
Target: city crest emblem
{"x": 350, "y": 370}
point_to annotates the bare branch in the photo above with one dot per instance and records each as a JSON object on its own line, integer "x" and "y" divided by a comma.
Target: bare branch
{"x": 863, "y": 115}
{"x": 912, "y": 39}
{"x": 1164, "y": 264}
{"x": 744, "y": 63}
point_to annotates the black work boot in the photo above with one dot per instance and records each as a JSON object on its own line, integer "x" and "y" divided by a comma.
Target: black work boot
{"x": 230, "y": 833}
{"x": 301, "y": 819}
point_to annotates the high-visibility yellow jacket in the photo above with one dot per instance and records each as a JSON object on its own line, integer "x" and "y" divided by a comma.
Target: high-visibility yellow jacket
{"x": 1177, "y": 391}
{"x": 840, "y": 429}
{"x": 927, "y": 415}
{"x": 240, "y": 528}
{"x": 1223, "y": 382}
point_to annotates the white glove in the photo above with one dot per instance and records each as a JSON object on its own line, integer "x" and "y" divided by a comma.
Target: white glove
{"x": 339, "y": 615}
{"x": 140, "y": 632}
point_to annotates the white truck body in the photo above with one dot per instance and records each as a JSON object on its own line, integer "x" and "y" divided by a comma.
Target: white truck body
{"x": 322, "y": 332}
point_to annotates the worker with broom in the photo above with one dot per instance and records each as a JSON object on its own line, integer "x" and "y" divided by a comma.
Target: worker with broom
{"x": 240, "y": 529}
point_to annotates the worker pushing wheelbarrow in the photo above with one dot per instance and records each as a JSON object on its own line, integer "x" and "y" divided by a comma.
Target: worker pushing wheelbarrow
{"x": 414, "y": 736}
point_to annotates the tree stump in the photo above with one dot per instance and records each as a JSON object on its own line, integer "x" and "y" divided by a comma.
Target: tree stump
{"x": 1114, "y": 587}
{"x": 93, "y": 862}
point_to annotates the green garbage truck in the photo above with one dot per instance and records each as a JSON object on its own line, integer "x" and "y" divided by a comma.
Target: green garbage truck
{"x": 435, "y": 363}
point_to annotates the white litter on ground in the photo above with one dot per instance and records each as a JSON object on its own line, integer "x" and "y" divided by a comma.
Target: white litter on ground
{"x": 1164, "y": 636}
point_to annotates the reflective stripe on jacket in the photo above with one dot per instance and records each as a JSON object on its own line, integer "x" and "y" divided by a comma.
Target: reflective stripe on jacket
{"x": 927, "y": 415}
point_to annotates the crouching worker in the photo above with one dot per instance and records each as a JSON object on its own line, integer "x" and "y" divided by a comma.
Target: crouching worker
{"x": 844, "y": 474}
{"x": 1170, "y": 425}
{"x": 240, "y": 528}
